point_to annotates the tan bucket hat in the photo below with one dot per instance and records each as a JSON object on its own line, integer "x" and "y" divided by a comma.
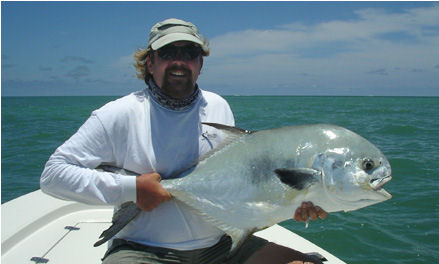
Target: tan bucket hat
{"x": 172, "y": 30}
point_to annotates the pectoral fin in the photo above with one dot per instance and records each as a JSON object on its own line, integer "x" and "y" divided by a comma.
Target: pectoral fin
{"x": 297, "y": 178}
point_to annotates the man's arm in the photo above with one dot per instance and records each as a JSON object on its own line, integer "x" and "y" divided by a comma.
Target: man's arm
{"x": 69, "y": 172}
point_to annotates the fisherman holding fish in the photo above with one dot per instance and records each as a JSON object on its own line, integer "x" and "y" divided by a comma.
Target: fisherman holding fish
{"x": 158, "y": 133}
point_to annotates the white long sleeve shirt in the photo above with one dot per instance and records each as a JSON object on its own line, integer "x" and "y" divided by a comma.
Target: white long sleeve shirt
{"x": 138, "y": 134}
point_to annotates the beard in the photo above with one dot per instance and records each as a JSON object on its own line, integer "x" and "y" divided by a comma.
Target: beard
{"x": 178, "y": 87}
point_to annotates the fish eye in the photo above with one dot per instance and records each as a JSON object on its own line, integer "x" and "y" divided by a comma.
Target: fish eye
{"x": 368, "y": 164}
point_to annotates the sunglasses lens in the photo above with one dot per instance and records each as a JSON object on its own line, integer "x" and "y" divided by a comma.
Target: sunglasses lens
{"x": 186, "y": 52}
{"x": 192, "y": 52}
{"x": 167, "y": 52}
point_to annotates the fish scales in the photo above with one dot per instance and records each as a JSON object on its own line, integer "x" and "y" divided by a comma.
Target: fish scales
{"x": 259, "y": 178}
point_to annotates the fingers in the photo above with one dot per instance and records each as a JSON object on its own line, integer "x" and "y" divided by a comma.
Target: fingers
{"x": 150, "y": 193}
{"x": 312, "y": 211}
{"x": 321, "y": 213}
{"x": 298, "y": 214}
{"x": 307, "y": 211}
{"x": 156, "y": 176}
{"x": 163, "y": 193}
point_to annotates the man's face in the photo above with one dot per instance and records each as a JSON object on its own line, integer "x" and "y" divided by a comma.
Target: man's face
{"x": 175, "y": 75}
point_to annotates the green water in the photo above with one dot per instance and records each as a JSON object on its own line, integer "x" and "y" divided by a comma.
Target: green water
{"x": 404, "y": 229}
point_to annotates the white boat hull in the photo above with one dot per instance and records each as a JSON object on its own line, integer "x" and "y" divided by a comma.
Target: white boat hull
{"x": 37, "y": 228}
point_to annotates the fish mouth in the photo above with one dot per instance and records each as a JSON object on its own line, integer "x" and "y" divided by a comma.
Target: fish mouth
{"x": 378, "y": 183}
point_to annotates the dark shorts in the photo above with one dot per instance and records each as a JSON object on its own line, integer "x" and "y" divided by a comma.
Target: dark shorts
{"x": 122, "y": 251}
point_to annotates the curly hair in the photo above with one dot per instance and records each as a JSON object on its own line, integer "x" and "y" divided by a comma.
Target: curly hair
{"x": 140, "y": 57}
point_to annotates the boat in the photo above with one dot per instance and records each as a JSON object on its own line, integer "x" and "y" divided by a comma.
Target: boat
{"x": 37, "y": 228}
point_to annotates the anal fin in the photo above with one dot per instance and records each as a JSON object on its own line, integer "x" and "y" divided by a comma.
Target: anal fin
{"x": 238, "y": 237}
{"x": 237, "y": 234}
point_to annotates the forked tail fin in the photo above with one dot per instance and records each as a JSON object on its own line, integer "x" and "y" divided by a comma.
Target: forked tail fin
{"x": 127, "y": 212}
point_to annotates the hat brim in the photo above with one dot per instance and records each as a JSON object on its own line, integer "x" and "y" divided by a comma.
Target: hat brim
{"x": 173, "y": 37}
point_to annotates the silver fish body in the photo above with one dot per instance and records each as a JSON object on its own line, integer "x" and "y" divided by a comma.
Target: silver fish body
{"x": 257, "y": 179}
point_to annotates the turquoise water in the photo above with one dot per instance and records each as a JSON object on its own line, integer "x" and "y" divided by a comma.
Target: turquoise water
{"x": 404, "y": 229}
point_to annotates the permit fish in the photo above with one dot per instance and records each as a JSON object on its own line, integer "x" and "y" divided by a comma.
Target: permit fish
{"x": 253, "y": 180}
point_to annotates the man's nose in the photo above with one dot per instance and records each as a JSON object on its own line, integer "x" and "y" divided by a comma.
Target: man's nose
{"x": 179, "y": 55}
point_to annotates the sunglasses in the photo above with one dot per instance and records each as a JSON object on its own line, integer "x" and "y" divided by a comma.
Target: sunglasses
{"x": 187, "y": 53}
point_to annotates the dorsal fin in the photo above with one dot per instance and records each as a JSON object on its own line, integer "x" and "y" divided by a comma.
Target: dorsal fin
{"x": 235, "y": 130}
{"x": 232, "y": 134}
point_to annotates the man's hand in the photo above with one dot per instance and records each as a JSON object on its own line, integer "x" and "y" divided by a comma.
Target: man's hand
{"x": 308, "y": 211}
{"x": 150, "y": 193}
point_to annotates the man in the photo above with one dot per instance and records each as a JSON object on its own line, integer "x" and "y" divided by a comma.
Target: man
{"x": 157, "y": 132}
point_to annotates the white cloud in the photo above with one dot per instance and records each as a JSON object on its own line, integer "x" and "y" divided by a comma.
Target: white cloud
{"x": 333, "y": 54}
{"x": 122, "y": 69}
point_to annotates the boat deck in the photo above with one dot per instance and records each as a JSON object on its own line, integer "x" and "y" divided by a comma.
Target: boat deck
{"x": 37, "y": 228}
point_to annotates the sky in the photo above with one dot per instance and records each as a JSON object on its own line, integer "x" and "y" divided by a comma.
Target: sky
{"x": 257, "y": 48}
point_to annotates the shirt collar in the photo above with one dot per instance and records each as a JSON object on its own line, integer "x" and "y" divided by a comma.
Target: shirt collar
{"x": 169, "y": 102}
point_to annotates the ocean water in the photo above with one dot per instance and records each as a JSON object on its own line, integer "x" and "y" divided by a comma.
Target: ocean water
{"x": 404, "y": 229}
